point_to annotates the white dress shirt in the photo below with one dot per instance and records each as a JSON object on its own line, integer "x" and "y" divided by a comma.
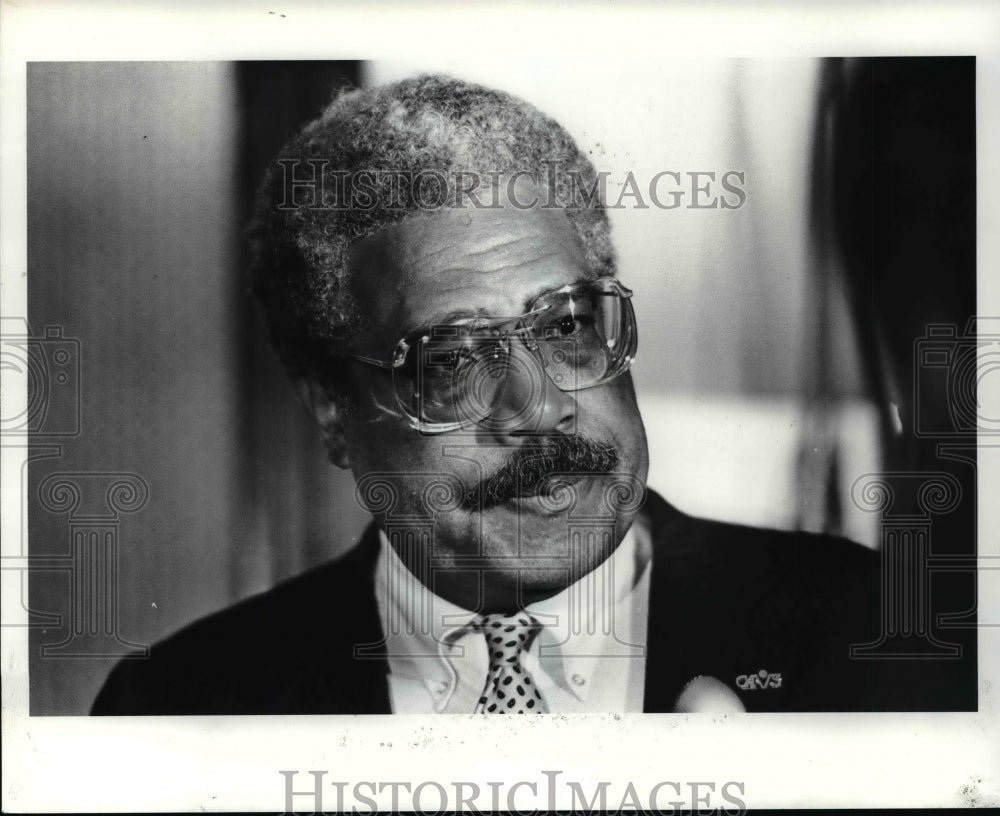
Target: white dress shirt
{"x": 588, "y": 656}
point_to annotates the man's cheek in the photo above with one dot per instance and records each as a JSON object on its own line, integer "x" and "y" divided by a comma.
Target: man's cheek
{"x": 609, "y": 413}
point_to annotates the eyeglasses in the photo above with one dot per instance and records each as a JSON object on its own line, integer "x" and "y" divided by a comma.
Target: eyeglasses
{"x": 492, "y": 371}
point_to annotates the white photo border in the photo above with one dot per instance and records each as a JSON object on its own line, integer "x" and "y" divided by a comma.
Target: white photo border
{"x": 234, "y": 763}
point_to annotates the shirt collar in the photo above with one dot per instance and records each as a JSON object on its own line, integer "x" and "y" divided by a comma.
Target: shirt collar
{"x": 418, "y": 625}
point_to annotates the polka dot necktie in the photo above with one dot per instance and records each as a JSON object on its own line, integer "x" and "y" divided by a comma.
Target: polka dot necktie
{"x": 509, "y": 688}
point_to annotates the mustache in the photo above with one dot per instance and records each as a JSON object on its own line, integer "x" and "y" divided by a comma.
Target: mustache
{"x": 525, "y": 471}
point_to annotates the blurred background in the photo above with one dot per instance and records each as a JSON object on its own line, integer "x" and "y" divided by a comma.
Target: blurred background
{"x": 777, "y": 339}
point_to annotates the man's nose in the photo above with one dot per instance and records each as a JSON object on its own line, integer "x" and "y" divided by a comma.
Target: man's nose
{"x": 530, "y": 402}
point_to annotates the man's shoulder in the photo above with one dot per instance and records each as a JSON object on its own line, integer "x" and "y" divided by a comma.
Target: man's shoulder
{"x": 799, "y": 609}
{"x": 788, "y": 579}
{"x": 278, "y": 615}
{"x": 760, "y": 580}
{"x": 291, "y": 610}
{"x": 727, "y": 551}
{"x": 237, "y": 659}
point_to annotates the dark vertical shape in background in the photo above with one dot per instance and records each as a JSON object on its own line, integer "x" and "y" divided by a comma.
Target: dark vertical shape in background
{"x": 904, "y": 187}
{"x": 299, "y": 504}
{"x": 904, "y": 215}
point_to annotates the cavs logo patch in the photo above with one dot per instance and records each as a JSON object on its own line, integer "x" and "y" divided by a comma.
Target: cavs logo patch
{"x": 761, "y": 680}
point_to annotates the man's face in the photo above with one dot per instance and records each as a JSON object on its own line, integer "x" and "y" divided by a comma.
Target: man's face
{"x": 431, "y": 269}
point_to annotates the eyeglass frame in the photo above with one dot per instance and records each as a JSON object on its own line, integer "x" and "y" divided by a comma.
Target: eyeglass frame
{"x": 404, "y": 344}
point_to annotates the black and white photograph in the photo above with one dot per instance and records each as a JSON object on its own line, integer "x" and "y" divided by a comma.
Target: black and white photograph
{"x": 390, "y": 427}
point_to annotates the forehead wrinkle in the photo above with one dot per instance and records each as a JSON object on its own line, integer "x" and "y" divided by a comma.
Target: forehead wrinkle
{"x": 482, "y": 234}
{"x": 457, "y": 257}
{"x": 497, "y": 247}
{"x": 496, "y": 270}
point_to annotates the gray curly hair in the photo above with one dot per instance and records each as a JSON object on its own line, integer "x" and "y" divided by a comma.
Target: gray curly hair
{"x": 302, "y": 244}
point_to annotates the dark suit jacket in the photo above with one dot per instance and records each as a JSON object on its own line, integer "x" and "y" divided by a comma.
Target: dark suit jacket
{"x": 725, "y": 600}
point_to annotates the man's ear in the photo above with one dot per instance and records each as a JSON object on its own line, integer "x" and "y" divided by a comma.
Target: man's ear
{"x": 328, "y": 415}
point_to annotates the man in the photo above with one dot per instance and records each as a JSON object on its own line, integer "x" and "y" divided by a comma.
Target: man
{"x": 438, "y": 276}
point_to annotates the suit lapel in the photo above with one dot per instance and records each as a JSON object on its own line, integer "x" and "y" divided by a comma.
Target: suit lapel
{"x": 665, "y": 654}
{"x": 694, "y": 625}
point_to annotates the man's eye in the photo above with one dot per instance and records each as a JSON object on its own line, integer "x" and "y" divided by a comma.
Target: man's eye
{"x": 568, "y": 325}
